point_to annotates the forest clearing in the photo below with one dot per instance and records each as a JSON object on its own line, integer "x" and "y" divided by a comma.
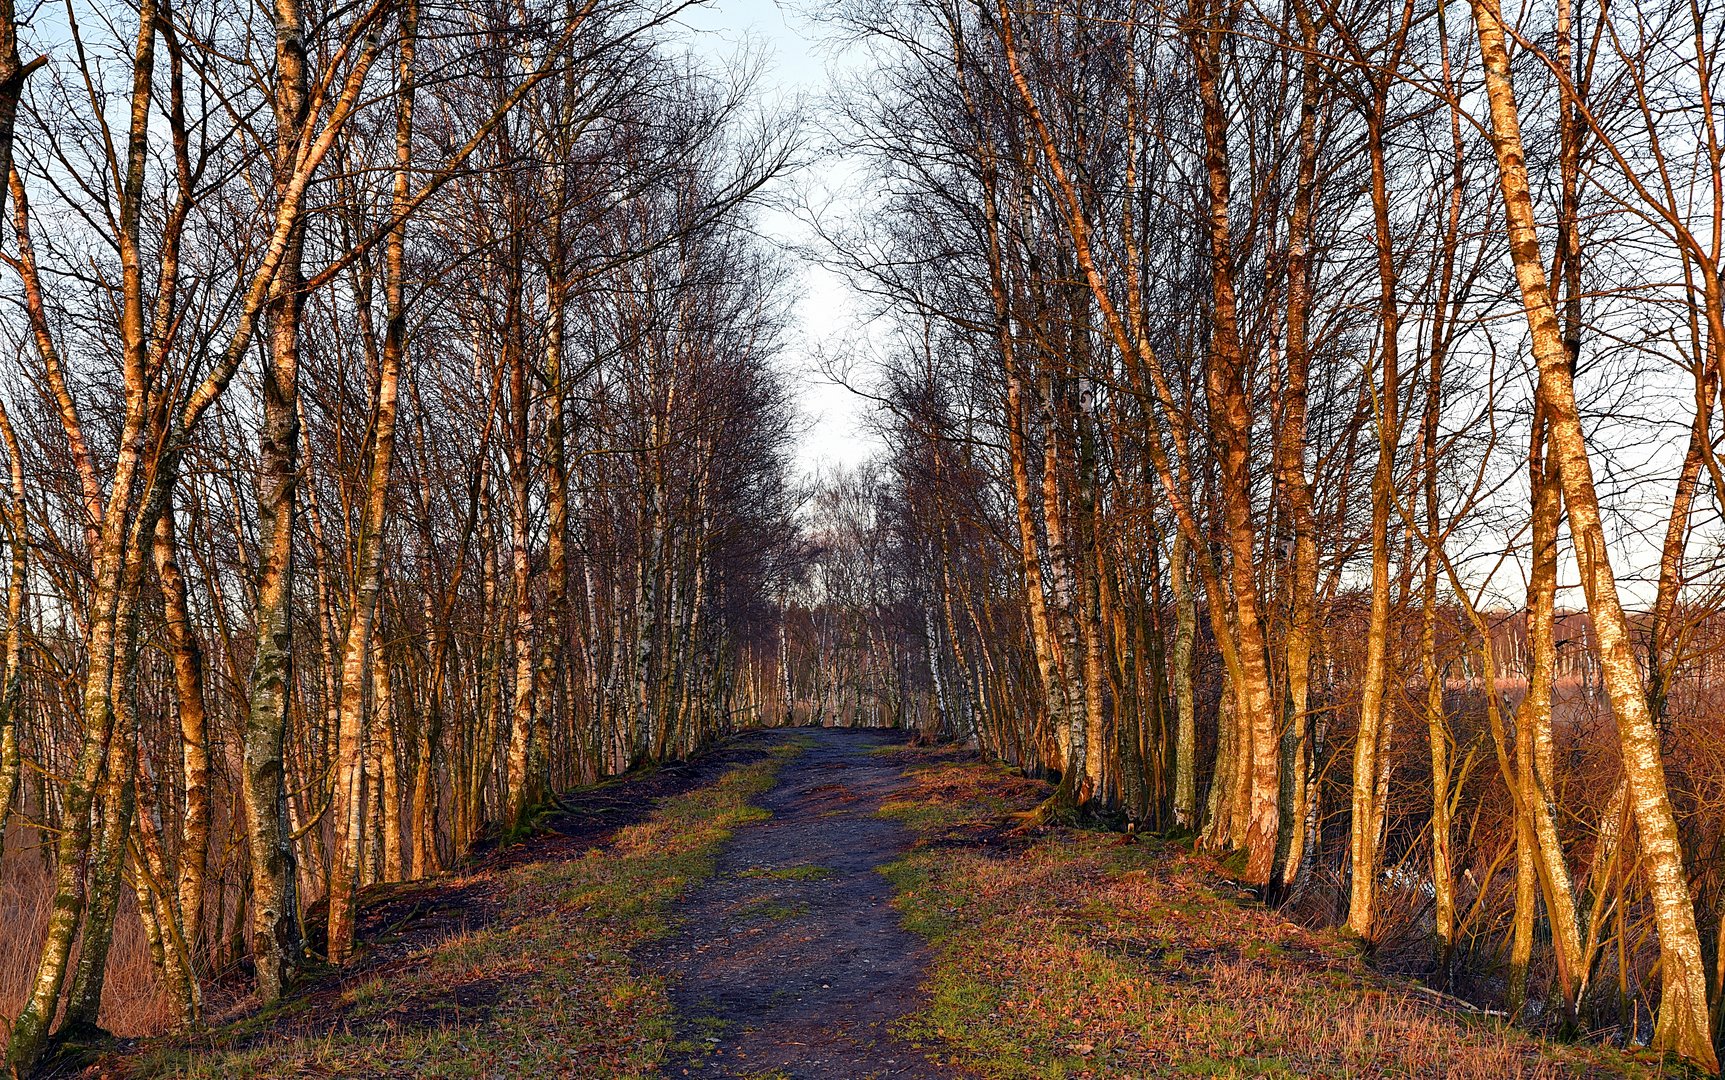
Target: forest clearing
{"x": 1259, "y": 610}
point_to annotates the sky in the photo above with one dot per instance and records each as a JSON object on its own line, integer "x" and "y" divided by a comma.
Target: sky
{"x": 797, "y": 68}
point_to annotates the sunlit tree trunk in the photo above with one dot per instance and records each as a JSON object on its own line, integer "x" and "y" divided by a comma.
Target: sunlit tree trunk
{"x": 114, "y": 809}
{"x": 274, "y": 903}
{"x": 1533, "y": 742}
{"x": 1230, "y": 415}
{"x": 359, "y": 649}
{"x": 1682, "y": 1025}
{"x": 188, "y": 663}
{"x": 1030, "y": 560}
{"x": 1367, "y": 820}
{"x": 1101, "y": 742}
{"x": 1062, "y": 596}
{"x": 519, "y": 780}
{"x": 1526, "y": 891}
{"x": 1185, "y": 705}
{"x": 1291, "y": 478}
{"x": 116, "y": 802}
{"x": 17, "y": 581}
{"x": 158, "y": 908}
{"x": 113, "y": 527}
{"x": 556, "y": 654}
{"x": 1438, "y": 737}
{"x": 385, "y": 749}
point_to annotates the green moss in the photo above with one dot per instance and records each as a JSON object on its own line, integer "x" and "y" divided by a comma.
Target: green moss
{"x": 1234, "y": 863}
{"x": 773, "y": 910}
{"x": 925, "y": 907}
{"x": 919, "y": 816}
{"x": 800, "y": 872}
{"x": 704, "y": 1032}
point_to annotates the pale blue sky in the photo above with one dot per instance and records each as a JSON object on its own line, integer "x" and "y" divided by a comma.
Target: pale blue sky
{"x": 797, "y": 70}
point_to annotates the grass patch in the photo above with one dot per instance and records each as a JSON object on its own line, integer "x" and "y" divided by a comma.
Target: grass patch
{"x": 1245, "y": 1069}
{"x": 705, "y": 1031}
{"x": 1062, "y": 953}
{"x": 800, "y": 872}
{"x": 546, "y": 989}
{"x": 950, "y": 798}
{"x": 773, "y": 910}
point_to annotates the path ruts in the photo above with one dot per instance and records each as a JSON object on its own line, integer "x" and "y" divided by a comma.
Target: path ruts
{"x": 790, "y": 961}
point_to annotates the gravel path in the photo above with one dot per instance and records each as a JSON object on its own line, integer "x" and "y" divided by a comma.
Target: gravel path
{"x": 790, "y": 961}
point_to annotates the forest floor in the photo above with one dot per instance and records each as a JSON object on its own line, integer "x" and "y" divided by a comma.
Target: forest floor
{"x": 834, "y": 904}
{"x": 1068, "y": 953}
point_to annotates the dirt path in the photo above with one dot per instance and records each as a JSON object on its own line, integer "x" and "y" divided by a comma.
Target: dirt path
{"x": 791, "y": 961}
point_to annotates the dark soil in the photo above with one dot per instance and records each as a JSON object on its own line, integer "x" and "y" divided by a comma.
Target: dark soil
{"x": 790, "y": 961}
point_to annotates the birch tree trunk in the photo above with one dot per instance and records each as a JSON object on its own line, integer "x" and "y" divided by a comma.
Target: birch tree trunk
{"x": 519, "y": 779}
{"x": 1291, "y": 476}
{"x": 555, "y": 657}
{"x": 1367, "y": 820}
{"x": 385, "y": 747}
{"x": 188, "y": 664}
{"x": 1438, "y": 739}
{"x": 1682, "y": 1026}
{"x": 1231, "y": 423}
{"x": 348, "y": 797}
{"x": 113, "y": 530}
{"x": 1185, "y": 707}
{"x": 12, "y": 659}
{"x": 1063, "y": 604}
{"x": 274, "y": 903}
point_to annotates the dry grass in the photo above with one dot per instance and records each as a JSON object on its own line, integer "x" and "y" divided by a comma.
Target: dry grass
{"x": 1062, "y": 953}
{"x": 132, "y": 1001}
{"x": 546, "y": 988}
